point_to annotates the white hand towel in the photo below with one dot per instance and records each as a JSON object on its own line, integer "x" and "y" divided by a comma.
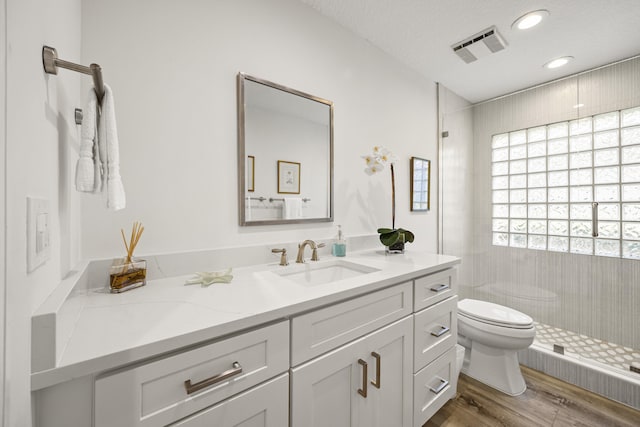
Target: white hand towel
{"x": 109, "y": 147}
{"x": 292, "y": 208}
{"x": 88, "y": 167}
{"x": 248, "y": 209}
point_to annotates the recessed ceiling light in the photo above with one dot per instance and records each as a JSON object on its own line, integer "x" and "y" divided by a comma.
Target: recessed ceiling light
{"x": 558, "y": 62}
{"x": 530, "y": 19}
{"x": 578, "y": 105}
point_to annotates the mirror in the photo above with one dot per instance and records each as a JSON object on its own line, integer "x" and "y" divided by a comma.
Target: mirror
{"x": 285, "y": 154}
{"x": 420, "y": 188}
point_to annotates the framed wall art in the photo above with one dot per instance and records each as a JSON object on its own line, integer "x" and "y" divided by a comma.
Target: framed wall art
{"x": 251, "y": 173}
{"x": 288, "y": 177}
{"x": 420, "y": 188}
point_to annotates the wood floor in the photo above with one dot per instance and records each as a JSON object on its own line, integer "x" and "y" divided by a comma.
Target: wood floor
{"x": 547, "y": 402}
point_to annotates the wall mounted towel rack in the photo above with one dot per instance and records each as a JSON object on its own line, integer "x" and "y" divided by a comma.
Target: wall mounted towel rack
{"x": 272, "y": 199}
{"x": 51, "y": 62}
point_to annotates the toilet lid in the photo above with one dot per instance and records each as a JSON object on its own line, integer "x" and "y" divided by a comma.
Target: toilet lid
{"x": 495, "y": 314}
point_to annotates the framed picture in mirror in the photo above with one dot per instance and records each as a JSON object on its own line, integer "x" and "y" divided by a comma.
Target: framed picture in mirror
{"x": 251, "y": 174}
{"x": 420, "y": 184}
{"x": 288, "y": 177}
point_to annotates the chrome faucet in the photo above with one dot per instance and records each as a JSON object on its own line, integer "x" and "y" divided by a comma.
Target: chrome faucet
{"x": 314, "y": 248}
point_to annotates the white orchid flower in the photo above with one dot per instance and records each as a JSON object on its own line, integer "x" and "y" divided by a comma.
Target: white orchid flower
{"x": 378, "y": 159}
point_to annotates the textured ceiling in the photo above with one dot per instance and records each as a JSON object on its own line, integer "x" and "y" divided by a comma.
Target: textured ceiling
{"x": 419, "y": 33}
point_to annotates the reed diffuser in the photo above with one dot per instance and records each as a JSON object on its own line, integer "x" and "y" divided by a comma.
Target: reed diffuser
{"x": 129, "y": 272}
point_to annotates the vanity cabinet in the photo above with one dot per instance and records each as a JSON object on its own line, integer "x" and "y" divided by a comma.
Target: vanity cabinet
{"x": 175, "y": 387}
{"x": 435, "y": 337}
{"x": 367, "y": 382}
{"x": 382, "y": 357}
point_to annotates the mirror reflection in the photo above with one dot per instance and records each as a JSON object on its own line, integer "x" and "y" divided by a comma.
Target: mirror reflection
{"x": 285, "y": 154}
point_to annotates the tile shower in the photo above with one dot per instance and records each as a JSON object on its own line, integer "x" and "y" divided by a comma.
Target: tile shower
{"x": 583, "y": 291}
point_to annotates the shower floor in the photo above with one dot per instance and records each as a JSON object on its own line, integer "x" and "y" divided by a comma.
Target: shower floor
{"x": 584, "y": 347}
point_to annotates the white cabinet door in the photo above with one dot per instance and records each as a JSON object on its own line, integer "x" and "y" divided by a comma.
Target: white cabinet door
{"x": 263, "y": 406}
{"x": 391, "y": 353}
{"x": 329, "y": 390}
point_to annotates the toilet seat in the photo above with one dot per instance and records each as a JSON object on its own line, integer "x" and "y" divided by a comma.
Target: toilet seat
{"x": 494, "y": 314}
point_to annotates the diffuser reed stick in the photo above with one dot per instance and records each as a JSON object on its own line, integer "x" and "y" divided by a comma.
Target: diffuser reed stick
{"x": 128, "y": 273}
{"x": 136, "y": 232}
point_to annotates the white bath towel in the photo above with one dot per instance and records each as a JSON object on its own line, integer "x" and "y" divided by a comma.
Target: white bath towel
{"x": 110, "y": 152}
{"x": 292, "y": 208}
{"x": 89, "y": 165}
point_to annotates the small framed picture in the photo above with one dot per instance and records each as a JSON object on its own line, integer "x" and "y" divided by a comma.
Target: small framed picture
{"x": 288, "y": 177}
{"x": 420, "y": 188}
{"x": 251, "y": 173}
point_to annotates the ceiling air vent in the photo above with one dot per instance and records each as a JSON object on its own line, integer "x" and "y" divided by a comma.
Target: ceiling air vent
{"x": 481, "y": 44}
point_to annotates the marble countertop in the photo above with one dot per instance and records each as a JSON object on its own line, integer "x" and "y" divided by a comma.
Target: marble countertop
{"x": 113, "y": 330}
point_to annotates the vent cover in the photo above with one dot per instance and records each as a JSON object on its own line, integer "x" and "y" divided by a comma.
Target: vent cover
{"x": 481, "y": 44}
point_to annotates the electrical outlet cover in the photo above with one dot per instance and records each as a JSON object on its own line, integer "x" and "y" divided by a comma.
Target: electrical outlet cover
{"x": 38, "y": 232}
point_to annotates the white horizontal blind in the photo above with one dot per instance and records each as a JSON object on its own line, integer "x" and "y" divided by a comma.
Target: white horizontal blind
{"x": 545, "y": 179}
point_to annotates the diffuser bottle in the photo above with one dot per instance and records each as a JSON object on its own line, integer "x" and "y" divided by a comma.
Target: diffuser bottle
{"x": 340, "y": 246}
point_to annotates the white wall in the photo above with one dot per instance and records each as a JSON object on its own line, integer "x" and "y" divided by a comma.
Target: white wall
{"x": 172, "y": 66}
{"x": 42, "y": 141}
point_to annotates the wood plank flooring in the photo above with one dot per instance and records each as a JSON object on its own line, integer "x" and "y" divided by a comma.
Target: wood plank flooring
{"x": 548, "y": 402}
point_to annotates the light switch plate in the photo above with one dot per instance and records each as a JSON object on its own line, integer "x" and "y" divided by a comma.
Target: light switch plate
{"x": 38, "y": 232}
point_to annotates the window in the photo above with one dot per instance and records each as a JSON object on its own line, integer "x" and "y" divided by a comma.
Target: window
{"x": 552, "y": 185}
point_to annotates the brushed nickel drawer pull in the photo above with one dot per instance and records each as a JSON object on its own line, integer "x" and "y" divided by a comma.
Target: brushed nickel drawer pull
{"x": 440, "y": 287}
{"x": 376, "y": 383}
{"x": 443, "y": 330}
{"x": 441, "y": 386}
{"x": 192, "y": 388}
{"x": 363, "y": 391}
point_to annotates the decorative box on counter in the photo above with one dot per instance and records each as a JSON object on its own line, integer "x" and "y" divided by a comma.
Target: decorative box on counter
{"x": 124, "y": 276}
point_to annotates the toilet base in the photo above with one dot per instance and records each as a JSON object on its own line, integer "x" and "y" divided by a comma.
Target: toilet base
{"x": 497, "y": 368}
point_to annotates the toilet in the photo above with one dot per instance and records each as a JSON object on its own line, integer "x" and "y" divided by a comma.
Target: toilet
{"x": 492, "y": 335}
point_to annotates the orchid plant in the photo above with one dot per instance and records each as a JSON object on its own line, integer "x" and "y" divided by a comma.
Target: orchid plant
{"x": 390, "y": 237}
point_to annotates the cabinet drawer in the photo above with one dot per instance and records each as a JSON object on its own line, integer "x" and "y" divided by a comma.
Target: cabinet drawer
{"x": 433, "y": 386}
{"x": 322, "y": 330}
{"x": 436, "y": 330}
{"x": 434, "y": 288}
{"x": 156, "y": 393}
{"x": 266, "y": 405}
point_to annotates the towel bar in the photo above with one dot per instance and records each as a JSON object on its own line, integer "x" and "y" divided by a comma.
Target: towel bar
{"x": 272, "y": 199}
{"x": 51, "y": 62}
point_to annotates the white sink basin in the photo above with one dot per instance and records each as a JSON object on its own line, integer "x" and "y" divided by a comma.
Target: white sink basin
{"x": 313, "y": 273}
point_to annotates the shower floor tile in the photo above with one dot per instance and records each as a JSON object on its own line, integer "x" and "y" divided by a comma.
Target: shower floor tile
{"x": 582, "y": 346}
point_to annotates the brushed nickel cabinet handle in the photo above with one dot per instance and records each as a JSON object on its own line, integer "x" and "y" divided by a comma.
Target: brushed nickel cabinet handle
{"x": 443, "y": 330}
{"x": 363, "y": 391}
{"x": 441, "y": 386}
{"x": 439, "y": 288}
{"x": 192, "y": 388}
{"x": 376, "y": 383}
